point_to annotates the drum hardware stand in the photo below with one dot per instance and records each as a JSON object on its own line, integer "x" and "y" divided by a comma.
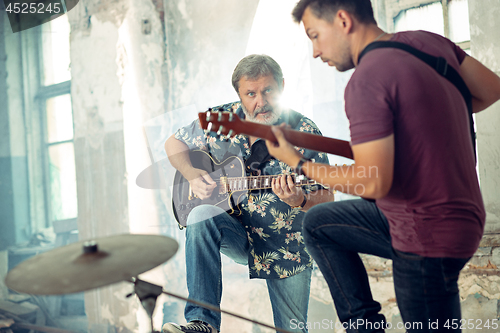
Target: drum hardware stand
{"x": 148, "y": 293}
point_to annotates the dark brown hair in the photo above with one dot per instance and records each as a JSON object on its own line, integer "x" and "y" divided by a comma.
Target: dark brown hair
{"x": 326, "y": 9}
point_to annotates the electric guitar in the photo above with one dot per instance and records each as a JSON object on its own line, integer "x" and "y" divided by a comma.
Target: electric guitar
{"x": 232, "y": 185}
{"x": 230, "y": 176}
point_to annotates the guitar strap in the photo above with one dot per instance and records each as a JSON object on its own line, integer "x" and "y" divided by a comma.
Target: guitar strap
{"x": 259, "y": 153}
{"x": 258, "y": 156}
{"x": 442, "y": 68}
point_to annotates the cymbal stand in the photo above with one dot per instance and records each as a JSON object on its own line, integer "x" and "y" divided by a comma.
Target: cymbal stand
{"x": 148, "y": 293}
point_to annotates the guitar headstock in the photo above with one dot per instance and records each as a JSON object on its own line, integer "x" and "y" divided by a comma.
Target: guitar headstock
{"x": 222, "y": 122}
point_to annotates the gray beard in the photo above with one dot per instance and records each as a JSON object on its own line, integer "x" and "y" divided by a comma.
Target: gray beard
{"x": 270, "y": 120}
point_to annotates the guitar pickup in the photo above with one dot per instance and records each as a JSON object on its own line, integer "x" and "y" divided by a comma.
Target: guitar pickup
{"x": 223, "y": 188}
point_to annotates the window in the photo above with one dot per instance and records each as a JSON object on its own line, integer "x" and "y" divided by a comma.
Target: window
{"x": 458, "y": 16}
{"x": 55, "y": 50}
{"x": 57, "y": 121}
{"x": 449, "y": 18}
{"x": 428, "y": 17}
{"x": 61, "y": 157}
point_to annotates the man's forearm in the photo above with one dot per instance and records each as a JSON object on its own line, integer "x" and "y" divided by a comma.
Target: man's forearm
{"x": 178, "y": 155}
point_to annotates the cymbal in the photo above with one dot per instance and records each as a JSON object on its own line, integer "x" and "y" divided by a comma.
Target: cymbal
{"x": 87, "y": 265}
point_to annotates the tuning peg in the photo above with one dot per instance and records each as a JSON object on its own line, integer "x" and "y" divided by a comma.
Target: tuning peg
{"x": 221, "y": 128}
{"x": 209, "y": 114}
{"x": 230, "y": 133}
{"x": 231, "y": 116}
{"x": 220, "y": 117}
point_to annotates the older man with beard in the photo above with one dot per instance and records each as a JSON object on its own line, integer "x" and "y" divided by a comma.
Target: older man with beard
{"x": 267, "y": 236}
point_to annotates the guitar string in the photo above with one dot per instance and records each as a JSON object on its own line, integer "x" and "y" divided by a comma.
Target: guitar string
{"x": 252, "y": 179}
{"x": 258, "y": 178}
{"x": 251, "y": 184}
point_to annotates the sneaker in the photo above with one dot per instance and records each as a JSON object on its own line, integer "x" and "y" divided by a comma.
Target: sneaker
{"x": 191, "y": 327}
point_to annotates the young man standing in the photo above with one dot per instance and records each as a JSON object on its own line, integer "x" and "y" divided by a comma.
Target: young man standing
{"x": 413, "y": 154}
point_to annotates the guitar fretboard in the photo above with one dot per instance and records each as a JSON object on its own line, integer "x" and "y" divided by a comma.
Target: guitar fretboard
{"x": 234, "y": 184}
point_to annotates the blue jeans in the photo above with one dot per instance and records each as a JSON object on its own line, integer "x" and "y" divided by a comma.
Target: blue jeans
{"x": 426, "y": 288}
{"x": 211, "y": 231}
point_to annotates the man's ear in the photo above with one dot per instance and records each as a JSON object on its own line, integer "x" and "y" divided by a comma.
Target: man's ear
{"x": 345, "y": 20}
{"x": 283, "y": 85}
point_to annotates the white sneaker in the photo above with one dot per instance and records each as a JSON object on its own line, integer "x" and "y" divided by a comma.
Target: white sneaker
{"x": 191, "y": 327}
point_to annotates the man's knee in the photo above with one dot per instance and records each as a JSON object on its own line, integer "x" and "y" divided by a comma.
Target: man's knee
{"x": 202, "y": 223}
{"x": 204, "y": 214}
{"x": 318, "y": 223}
{"x": 312, "y": 219}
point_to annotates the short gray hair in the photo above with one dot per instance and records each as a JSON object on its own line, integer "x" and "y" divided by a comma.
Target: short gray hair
{"x": 255, "y": 66}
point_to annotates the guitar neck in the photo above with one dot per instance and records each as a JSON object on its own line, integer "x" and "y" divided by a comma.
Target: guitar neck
{"x": 301, "y": 139}
{"x": 229, "y": 124}
{"x": 233, "y": 184}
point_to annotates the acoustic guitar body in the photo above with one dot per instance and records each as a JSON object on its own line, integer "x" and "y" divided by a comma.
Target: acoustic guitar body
{"x": 184, "y": 201}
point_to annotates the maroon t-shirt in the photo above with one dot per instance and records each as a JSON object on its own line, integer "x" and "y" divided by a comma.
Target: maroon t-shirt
{"x": 434, "y": 206}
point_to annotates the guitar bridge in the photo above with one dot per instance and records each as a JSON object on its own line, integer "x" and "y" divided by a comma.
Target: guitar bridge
{"x": 223, "y": 188}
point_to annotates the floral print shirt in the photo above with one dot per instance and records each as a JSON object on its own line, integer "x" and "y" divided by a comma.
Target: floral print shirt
{"x": 274, "y": 229}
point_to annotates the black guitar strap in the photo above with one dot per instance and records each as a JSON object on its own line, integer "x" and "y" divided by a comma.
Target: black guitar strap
{"x": 441, "y": 66}
{"x": 259, "y": 153}
{"x": 258, "y": 156}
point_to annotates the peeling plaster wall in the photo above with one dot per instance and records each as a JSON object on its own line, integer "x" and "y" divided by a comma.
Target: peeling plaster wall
{"x": 117, "y": 52}
{"x": 485, "y": 33}
{"x": 479, "y": 287}
{"x": 205, "y": 40}
{"x": 98, "y": 121}
{"x": 99, "y": 150}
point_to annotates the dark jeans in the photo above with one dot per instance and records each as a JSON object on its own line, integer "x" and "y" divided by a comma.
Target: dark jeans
{"x": 426, "y": 288}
